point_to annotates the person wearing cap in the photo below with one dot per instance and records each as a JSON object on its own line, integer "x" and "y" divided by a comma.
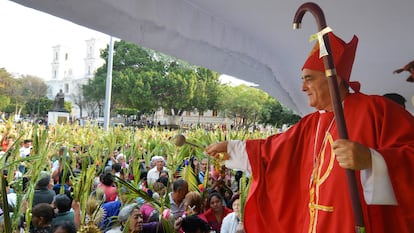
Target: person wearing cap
{"x": 300, "y": 174}
{"x": 154, "y": 173}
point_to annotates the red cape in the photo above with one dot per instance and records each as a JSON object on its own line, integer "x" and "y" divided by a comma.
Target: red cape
{"x": 282, "y": 165}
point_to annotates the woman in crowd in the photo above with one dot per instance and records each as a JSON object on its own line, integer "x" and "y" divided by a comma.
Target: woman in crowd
{"x": 108, "y": 185}
{"x": 193, "y": 203}
{"x": 216, "y": 211}
{"x": 130, "y": 217}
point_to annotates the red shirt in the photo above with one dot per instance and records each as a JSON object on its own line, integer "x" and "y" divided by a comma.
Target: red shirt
{"x": 111, "y": 192}
{"x": 211, "y": 218}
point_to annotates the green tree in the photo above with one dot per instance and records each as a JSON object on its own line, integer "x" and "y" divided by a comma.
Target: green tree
{"x": 147, "y": 81}
{"x": 41, "y": 106}
{"x": 208, "y": 90}
{"x": 273, "y": 113}
{"x": 68, "y": 106}
{"x": 12, "y": 88}
{"x": 132, "y": 66}
{"x": 188, "y": 89}
{"x": 144, "y": 91}
{"x": 243, "y": 104}
{"x": 33, "y": 90}
{"x": 4, "y": 102}
{"x": 6, "y": 81}
{"x": 178, "y": 90}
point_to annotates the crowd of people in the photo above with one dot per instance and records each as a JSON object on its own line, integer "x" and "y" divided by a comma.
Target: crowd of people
{"x": 54, "y": 208}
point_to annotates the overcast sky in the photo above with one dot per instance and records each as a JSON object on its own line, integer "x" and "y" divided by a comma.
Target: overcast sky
{"x": 28, "y": 35}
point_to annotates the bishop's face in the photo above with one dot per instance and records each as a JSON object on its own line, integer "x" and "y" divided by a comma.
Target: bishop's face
{"x": 315, "y": 85}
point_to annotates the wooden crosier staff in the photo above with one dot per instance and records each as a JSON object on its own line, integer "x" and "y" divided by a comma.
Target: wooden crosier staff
{"x": 330, "y": 72}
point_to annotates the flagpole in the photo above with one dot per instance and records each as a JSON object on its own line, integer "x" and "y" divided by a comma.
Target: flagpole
{"x": 108, "y": 92}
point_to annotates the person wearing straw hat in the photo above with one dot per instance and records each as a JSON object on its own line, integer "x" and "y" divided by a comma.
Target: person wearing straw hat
{"x": 300, "y": 174}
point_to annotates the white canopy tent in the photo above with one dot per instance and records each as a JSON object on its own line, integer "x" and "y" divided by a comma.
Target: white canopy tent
{"x": 254, "y": 40}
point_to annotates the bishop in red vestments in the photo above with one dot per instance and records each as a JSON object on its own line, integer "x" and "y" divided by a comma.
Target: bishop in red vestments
{"x": 298, "y": 177}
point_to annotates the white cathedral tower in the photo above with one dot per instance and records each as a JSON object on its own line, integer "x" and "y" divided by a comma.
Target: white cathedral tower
{"x": 61, "y": 64}
{"x": 63, "y": 76}
{"x": 92, "y": 59}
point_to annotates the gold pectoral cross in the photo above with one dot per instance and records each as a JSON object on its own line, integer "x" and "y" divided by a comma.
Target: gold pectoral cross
{"x": 317, "y": 179}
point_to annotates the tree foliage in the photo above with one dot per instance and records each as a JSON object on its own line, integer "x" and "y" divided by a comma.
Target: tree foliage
{"x": 273, "y": 113}
{"x": 243, "y": 103}
{"x": 26, "y": 94}
{"x": 10, "y": 86}
{"x": 141, "y": 80}
{"x": 249, "y": 106}
{"x": 39, "y": 107}
{"x": 4, "y": 101}
{"x": 208, "y": 90}
{"x": 34, "y": 90}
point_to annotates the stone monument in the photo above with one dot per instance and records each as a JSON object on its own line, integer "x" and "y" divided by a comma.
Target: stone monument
{"x": 59, "y": 115}
{"x": 59, "y": 104}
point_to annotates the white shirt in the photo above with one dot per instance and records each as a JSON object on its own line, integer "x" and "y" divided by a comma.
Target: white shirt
{"x": 24, "y": 152}
{"x": 230, "y": 223}
{"x": 12, "y": 199}
{"x": 55, "y": 165}
{"x": 153, "y": 175}
{"x": 116, "y": 229}
{"x": 376, "y": 181}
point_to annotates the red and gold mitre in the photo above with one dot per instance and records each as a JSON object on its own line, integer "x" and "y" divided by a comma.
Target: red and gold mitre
{"x": 343, "y": 55}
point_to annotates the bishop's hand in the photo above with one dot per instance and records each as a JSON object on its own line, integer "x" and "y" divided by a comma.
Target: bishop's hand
{"x": 352, "y": 155}
{"x": 218, "y": 150}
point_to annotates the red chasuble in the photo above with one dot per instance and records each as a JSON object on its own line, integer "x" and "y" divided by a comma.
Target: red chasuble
{"x": 299, "y": 187}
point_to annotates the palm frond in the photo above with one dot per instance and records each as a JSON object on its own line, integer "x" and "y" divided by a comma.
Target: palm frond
{"x": 187, "y": 174}
{"x": 244, "y": 191}
{"x": 95, "y": 214}
{"x": 40, "y": 148}
{"x": 167, "y": 226}
{"x": 6, "y": 216}
{"x": 139, "y": 193}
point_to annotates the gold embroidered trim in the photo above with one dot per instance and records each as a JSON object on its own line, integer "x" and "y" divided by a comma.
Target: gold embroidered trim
{"x": 317, "y": 180}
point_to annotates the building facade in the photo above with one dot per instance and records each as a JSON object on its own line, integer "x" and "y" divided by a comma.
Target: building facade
{"x": 63, "y": 76}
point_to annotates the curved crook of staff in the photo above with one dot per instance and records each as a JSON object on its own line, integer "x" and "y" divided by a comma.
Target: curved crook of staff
{"x": 336, "y": 101}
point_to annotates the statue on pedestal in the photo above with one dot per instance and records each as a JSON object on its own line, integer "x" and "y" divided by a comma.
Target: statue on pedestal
{"x": 59, "y": 104}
